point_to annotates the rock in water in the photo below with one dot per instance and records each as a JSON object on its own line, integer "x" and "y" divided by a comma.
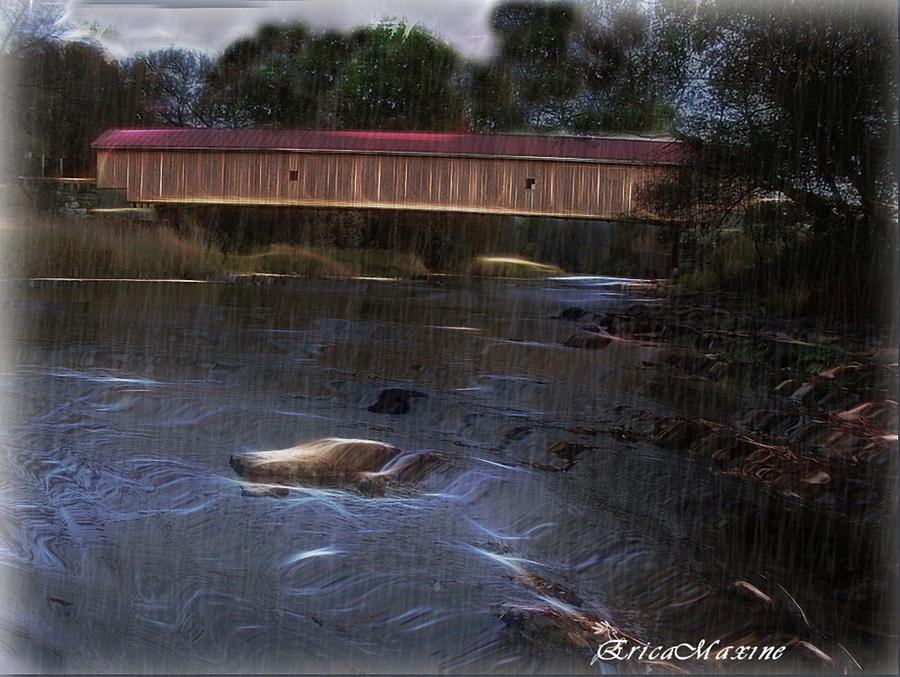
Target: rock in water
{"x": 573, "y": 313}
{"x": 394, "y": 401}
{"x": 265, "y": 491}
{"x": 588, "y": 339}
{"x": 335, "y": 462}
{"x": 331, "y": 460}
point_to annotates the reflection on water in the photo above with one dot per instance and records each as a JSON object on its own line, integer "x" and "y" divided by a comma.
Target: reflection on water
{"x": 127, "y": 543}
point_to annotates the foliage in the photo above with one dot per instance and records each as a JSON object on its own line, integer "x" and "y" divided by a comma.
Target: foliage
{"x": 535, "y": 42}
{"x": 807, "y": 97}
{"x": 612, "y": 66}
{"x": 390, "y": 75}
{"x": 794, "y": 136}
{"x": 633, "y": 61}
{"x": 400, "y": 77}
{"x": 63, "y": 94}
{"x": 283, "y": 76}
{"x": 491, "y": 99}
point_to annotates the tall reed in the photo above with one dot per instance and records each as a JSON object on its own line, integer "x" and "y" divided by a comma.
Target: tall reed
{"x": 85, "y": 247}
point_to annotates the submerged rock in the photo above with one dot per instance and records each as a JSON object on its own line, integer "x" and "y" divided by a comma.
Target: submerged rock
{"x": 564, "y": 455}
{"x": 265, "y": 491}
{"x": 589, "y": 340}
{"x": 394, "y": 401}
{"x": 571, "y": 313}
{"x": 547, "y": 588}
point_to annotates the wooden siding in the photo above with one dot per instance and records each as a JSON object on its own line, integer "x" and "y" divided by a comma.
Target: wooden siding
{"x": 565, "y": 188}
{"x": 112, "y": 167}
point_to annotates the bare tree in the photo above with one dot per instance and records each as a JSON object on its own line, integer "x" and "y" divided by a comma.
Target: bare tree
{"x": 23, "y": 22}
{"x": 171, "y": 85}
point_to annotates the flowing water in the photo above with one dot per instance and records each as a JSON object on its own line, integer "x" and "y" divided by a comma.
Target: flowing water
{"x": 128, "y": 543}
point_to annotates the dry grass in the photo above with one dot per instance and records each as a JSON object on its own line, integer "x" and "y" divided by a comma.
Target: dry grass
{"x": 326, "y": 262}
{"x": 87, "y": 247}
{"x": 97, "y": 247}
{"x": 379, "y": 262}
{"x": 284, "y": 259}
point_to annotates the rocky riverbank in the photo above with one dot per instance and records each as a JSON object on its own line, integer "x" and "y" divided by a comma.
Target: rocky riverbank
{"x": 823, "y": 429}
{"x": 806, "y": 460}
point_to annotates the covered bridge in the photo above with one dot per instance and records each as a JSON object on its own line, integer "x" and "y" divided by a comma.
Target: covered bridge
{"x": 553, "y": 176}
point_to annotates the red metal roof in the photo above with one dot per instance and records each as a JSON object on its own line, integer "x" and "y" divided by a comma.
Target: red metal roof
{"x": 603, "y": 149}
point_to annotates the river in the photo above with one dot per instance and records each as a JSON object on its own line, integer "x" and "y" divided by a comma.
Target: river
{"x": 128, "y": 544}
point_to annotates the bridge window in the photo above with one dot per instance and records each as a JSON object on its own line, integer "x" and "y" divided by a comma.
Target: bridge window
{"x": 294, "y": 174}
{"x": 529, "y": 184}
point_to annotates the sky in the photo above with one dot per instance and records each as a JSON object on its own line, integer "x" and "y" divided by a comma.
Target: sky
{"x": 130, "y": 26}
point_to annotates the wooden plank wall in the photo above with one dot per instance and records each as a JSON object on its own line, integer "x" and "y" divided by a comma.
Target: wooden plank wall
{"x": 112, "y": 169}
{"x": 560, "y": 188}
